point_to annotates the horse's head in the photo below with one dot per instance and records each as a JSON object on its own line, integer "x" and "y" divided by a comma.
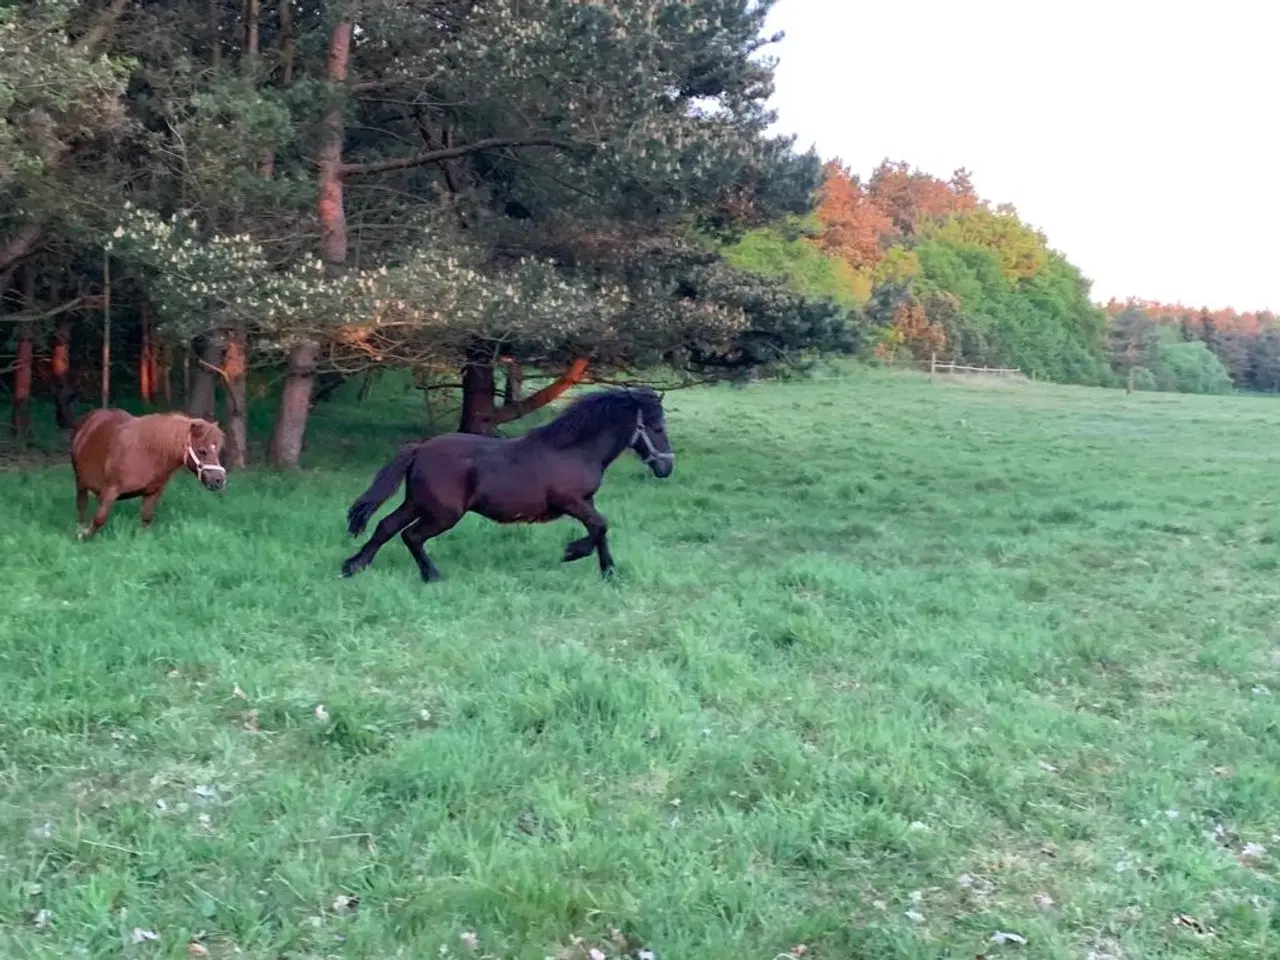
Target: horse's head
{"x": 203, "y": 457}
{"x": 650, "y": 441}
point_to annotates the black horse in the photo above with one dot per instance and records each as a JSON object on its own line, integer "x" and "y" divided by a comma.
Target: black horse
{"x": 552, "y": 471}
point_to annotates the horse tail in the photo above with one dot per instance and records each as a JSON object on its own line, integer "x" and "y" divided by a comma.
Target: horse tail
{"x": 384, "y": 485}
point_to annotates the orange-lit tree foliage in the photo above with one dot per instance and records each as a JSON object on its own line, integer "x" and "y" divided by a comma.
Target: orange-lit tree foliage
{"x": 854, "y": 227}
{"x": 910, "y": 197}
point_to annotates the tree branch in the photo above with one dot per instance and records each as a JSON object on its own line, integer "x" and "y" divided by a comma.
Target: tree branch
{"x": 514, "y": 411}
{"x": 38, "y": 316}
{"x": 18, "y": 247}
{"x": 449, "y": 153}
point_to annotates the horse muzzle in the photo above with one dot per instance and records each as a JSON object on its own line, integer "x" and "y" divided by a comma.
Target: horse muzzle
{"x": 214, "y": 481}
{"x": 662, "y": 467}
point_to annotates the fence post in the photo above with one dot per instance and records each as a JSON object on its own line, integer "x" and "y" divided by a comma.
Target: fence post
{"x": 933, "y": 365}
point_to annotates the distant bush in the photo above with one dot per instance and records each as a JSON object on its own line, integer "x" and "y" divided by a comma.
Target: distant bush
{"x": 1191, "y": 367}
{"x": 1144, "y": 379}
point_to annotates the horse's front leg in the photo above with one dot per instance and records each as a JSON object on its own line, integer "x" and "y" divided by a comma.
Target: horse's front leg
{"x": 82, "y": 511}
{"x": 585, "y": 512}
{"x": 149, "y": 501}
{"x": 106, "y": 500}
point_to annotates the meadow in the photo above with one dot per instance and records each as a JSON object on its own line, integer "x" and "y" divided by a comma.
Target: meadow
{"x": 891, "y": 669}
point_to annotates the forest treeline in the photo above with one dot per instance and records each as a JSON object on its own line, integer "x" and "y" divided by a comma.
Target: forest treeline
{"x": 480, "y": 192}
{"x": 934, "y": 270}
{"x": 468, "y": 190}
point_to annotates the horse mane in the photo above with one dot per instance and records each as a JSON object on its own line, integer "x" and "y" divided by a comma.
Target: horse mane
{"x": 170, "y": 433}
{"x": 590, "y": 415}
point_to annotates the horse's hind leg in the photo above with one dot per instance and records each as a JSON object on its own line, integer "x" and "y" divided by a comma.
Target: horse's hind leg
{"x": 415, "y": 535}
{"x": 391, "y": 524}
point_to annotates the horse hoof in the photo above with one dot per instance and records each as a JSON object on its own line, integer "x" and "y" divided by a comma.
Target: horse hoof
{"x": 82, "y": 533}
{"x": 349, "y": 569}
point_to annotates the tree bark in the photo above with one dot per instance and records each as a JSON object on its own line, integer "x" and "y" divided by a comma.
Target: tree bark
{"x": 514, "y": 388}
{"x": 145, "y": 388}
{"x": 106, "y": 332}
{"x": 478, "y": 413}
{"x": 285, "y": 448}
{"x": 215, "y": 35}
{"x": 148, "y": 363}
{"x": 202, "y": 400}
{"x": 572, "y": 376}
{"x": 22, "y": 384}
{"x": 63, "y": 392}
{"x": 234, "y": 368}
{"x": 164, "y": 368}
{"x": 449, "y": 153}
{"x": 18, "y": 247}
{"x": 103, "y": 26}
{"x": 333, "y": 218}
{"x": 284, "y": 10}
{"x": 24, "y": 362}
{"x": 249, "y": 66}
{"x": 480, "y": 416}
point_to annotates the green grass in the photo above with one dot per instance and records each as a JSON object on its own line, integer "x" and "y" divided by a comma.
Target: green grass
{"x": 889, "y": 666}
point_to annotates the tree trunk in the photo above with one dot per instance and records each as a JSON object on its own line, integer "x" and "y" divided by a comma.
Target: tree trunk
{"x": 249, "y": 65}
{"x": 234, "y": 368}
{"x": 64, "y": 395}
{"x": 291, "y": 419}
{"x": 215, "y": 35}
{"x": 479, "y": 415}
{"x": 17, "y": 248}
{"x": 106, "y": 332}
{"x": 478, "y": 412}
{"x": 164, "y": 368}
{"x": 284, "y": 11}
{"x": 285, "y": 448}
{"x": 24, "y": 361}
{"x": 572, "y": 376}
{"x": 202, "y": 400}
{"x": 333, "y": 217}
{"x": 147, "y": 364}
{"x": 22, "y": 384}
{"x": 514, "y": 388}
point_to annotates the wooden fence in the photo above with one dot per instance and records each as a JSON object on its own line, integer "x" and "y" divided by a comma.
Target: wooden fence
{"x": 936, "y": 366}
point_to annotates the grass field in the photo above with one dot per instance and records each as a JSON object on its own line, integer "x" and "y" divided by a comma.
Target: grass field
{"x": 889, "y": 667}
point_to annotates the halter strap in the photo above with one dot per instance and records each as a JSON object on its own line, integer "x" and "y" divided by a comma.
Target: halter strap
{"x": 643, "y": 434}
{"x": 202, "y": 468}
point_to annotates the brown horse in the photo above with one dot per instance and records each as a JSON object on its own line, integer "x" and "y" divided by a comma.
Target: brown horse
{"x": 117, "y": 456}
{"x": 552, "y": 471}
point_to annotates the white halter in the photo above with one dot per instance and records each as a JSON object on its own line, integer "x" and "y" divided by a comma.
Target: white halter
{"x": 643, "y": 434}
{"x": 203, "y": 468}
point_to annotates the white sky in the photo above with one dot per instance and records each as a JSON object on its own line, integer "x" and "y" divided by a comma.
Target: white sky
{"x": 1142, "y": 136}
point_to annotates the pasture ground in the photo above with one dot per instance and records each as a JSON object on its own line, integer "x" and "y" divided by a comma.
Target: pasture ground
{"x": 889, "y": 667}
